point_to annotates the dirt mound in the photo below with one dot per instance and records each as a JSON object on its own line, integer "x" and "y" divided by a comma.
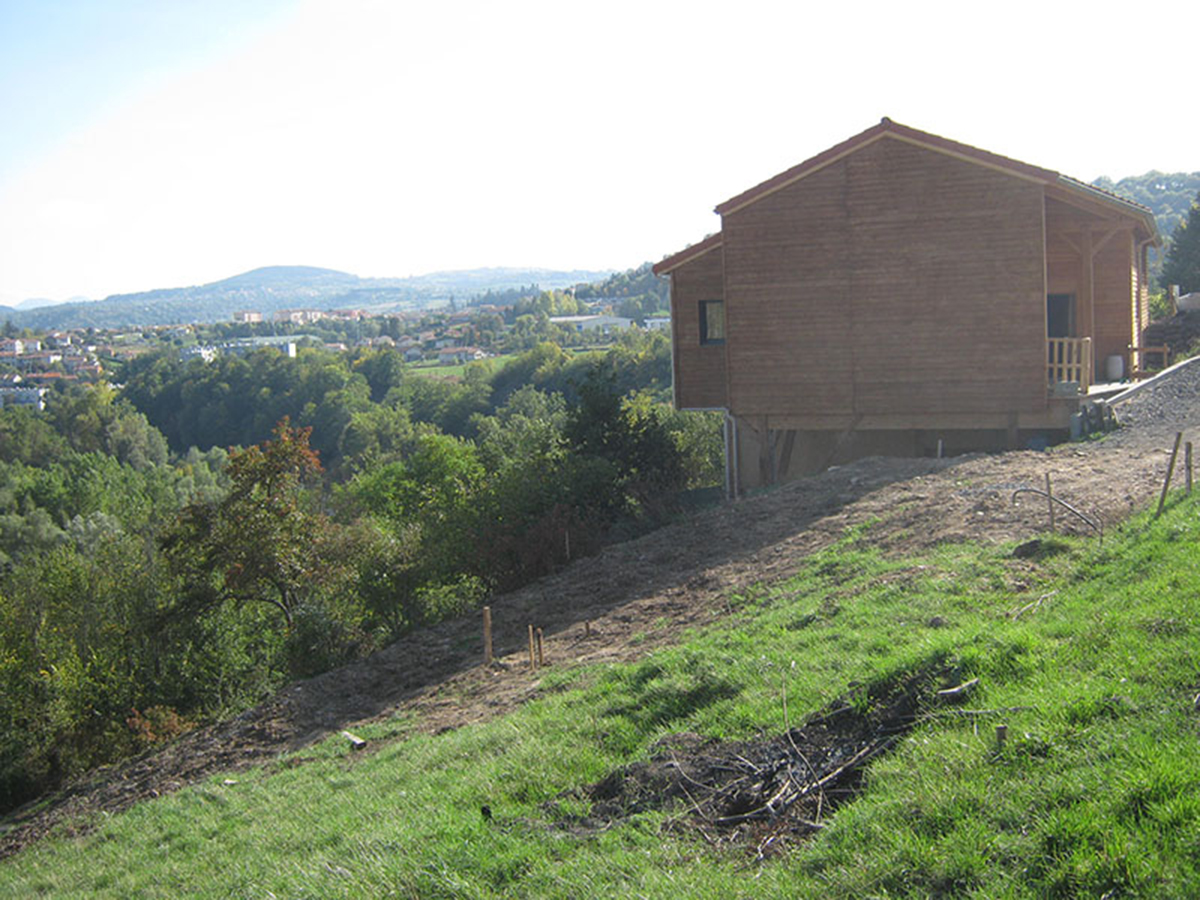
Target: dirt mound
{"x": 635, "y": 597}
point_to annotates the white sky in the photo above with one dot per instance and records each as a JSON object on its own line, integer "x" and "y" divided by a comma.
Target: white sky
{"x": 160, "y": 143}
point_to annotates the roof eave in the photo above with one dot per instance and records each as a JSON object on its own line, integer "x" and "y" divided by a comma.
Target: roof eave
{"x": 687, "y": 254}
{"x": 1129, "y": 207}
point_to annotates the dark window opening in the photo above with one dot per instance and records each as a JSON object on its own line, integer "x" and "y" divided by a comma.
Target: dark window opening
{"x": 1060, "y": 315}
{"x": 712, "y": 321}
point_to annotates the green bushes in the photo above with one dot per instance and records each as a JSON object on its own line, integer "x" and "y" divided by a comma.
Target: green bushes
{"x": 141, "y": 595}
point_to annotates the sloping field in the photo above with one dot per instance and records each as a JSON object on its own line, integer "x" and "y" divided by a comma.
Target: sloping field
{"x": 634, "y": 598}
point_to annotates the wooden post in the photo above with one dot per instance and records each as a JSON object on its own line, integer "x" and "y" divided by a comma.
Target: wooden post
{"x": 532, "y": 658}
{"x": 1050, "y": 500}
{"x": 587, "y": 628}
{"x": 1001, "y": 736}
{"x": 1187, "y": 456}
{"x": 541, "y": 659}
{"x": 487, "y": 635}
{"x": 1170, "y": 470}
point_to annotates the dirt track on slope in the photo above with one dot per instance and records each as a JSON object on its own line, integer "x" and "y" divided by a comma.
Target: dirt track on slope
{"x": 635, "y": 597}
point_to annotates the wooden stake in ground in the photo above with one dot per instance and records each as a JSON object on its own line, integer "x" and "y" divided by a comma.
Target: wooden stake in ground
{"x": 1050, "y": 501}
{"x": 487, "y": 635}
{"x": 532, "y": 658}
{"x": 1170, "y": 470}
{"x": 1187, "y": 458}
{"x": 541, "y": 659}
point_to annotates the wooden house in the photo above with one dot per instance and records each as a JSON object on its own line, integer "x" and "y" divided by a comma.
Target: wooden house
{"x": 901, "y": 293}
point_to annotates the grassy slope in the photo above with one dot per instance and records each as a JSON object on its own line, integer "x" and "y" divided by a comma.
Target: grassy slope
{"x": 1096, "y": 793}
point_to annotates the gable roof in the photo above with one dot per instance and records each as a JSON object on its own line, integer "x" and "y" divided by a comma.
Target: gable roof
{"x": 1063, "y": 186}
{"x": 687, "y": 254}
{"x": 887, "y": 129}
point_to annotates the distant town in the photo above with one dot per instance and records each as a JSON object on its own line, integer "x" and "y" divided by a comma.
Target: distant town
{"x": 33, "y": 362}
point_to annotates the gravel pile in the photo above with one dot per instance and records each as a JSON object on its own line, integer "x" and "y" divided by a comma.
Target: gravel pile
{"x": 1170, "y": 402}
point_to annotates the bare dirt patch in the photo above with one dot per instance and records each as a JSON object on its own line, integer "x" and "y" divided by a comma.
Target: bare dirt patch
{"x": 635, "y": 597}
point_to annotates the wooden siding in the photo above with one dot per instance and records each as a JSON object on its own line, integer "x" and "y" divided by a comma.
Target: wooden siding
{"x": 897, "y": 280}
{"x": 1105, "y": 292}
{"x": 1115, "y": 280}
{"x": 699, "y": 368}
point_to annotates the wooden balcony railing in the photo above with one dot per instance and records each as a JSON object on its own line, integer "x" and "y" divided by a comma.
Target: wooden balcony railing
{"x": 1069, "y": 360}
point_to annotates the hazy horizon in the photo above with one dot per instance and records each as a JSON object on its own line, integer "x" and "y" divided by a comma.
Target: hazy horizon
{"x": 178, "y": 144}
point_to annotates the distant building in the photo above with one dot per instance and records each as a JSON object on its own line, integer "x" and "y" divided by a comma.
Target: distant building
{"x": 23, "y": 396}
{"x": 658, "y": 323}
{"x": 450, "y": 356}
{"x": 76, "y": 364}
{"x": 299, "y": 316}
{"x": 48, "y": 377}
{"x": 602, "y": 324}
{"x": 246, "y": 316}
{"x": 29, "y": 362}
{"x": 198, "y": 351}
{"x": 18, "y": 346}
{"x": 246, "y": 346}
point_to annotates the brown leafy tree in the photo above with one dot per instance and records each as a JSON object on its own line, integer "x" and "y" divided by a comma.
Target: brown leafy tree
{"x": 260, "y": 543}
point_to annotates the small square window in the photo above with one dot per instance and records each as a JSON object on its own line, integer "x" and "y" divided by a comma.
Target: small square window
{"x": 712, "y": 321}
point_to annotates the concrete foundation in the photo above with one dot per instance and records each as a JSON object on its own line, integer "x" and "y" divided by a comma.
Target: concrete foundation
{"x": 760, "y": 457}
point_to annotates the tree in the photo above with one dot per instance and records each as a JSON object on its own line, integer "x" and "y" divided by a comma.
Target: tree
{"x": 260, "y": 543}
{"x": 629, "y": 434}
{"x": 1182, "y": 265}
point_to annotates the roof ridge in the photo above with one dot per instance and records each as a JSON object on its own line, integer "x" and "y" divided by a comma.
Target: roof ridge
{"x": 886, "y": 126}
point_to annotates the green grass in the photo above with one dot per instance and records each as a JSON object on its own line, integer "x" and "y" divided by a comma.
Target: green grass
{"x": 1095, "y": 793}
{"x": 432, "y": 369}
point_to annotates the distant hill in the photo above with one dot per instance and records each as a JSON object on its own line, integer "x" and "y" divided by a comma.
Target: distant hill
{"x": 42, "y": 302}
{"x": 286, "y": 287}
{"x": 636, "y": 293}
{"x": 1169, "y": 195}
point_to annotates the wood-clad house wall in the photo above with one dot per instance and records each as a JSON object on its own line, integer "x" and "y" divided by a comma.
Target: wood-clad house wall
{"x": 1115, "y": 275}
{"x": 699, "y": 368}
{"x": 1106, "y": 293}
{"x": 897, "y": 281}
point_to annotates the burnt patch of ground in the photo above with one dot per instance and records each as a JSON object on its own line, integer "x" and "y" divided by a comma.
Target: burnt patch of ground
{"x": 757, "y": 795}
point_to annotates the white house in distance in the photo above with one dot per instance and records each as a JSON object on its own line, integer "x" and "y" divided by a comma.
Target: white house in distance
{"x": 451, "y": 355}
{"x": 299, "y": 316}
{"x": 657, "y": 323}
{"x": 601, "y": 323}
{"x": 23, "y": 396}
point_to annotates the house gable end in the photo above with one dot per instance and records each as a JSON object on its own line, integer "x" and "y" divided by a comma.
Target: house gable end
{"x": 886, "y": 129}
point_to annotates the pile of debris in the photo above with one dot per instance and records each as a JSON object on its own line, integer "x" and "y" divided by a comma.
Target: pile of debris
{"x": 1180, "y": 333}
{"x": 756, "y": 793}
